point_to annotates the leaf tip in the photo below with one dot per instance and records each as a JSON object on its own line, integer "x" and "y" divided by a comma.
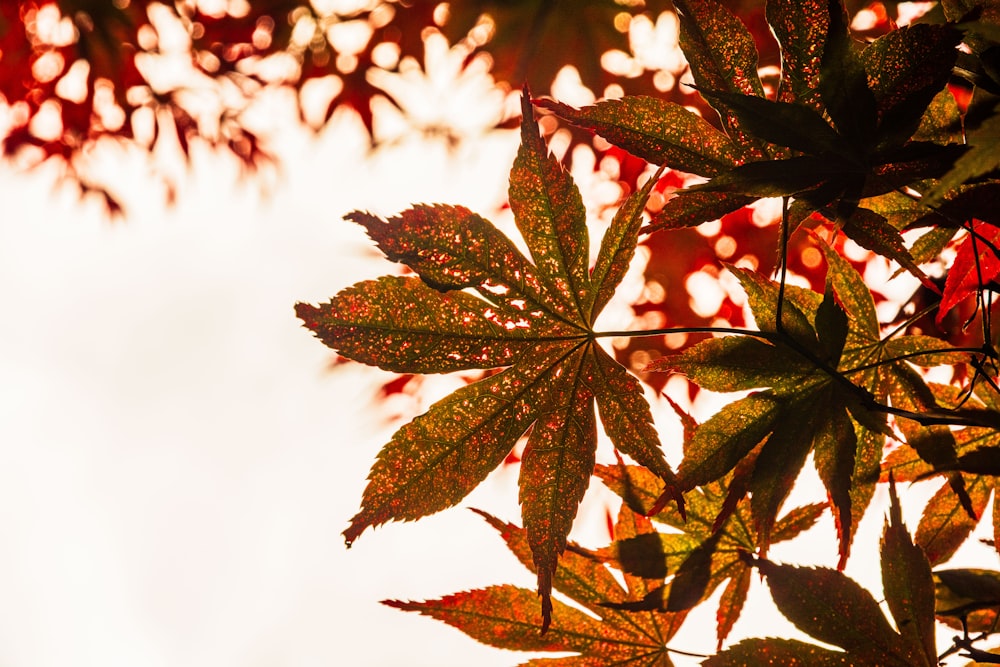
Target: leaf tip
{"x": 307, "y": 313}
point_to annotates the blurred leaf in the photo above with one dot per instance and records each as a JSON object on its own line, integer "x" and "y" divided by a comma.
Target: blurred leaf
{"x": 532, "y": 40}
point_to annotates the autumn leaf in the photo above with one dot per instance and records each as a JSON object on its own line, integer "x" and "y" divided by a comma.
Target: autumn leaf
{"x": 949, "y": 517}
{"x": 503, "y": 616}
{"x": 976, "y": 264}
{"x": 832, "y": 608}
{"x": 698, "y": 552}
{"x": 532, "y": 317}
{"x": 656, "y": 130}
{"x": 802, "y": 399}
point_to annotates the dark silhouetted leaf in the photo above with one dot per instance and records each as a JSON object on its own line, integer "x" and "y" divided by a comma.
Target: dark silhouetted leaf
{"x": 982, "y": 158}
{"x": 834, "y": 609}
{"x": 707, "y": 551}
{"x": 907, "y": 585}
{"x": 804, "y": 410}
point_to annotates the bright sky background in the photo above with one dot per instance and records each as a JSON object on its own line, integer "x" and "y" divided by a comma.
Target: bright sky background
{"x": 177, "y": 459}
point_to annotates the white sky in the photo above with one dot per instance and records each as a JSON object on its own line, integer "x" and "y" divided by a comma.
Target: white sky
{"x": 176, "y": 463}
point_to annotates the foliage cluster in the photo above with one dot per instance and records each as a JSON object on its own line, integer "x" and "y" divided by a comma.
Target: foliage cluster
{"x": 75, "y": 73}
{"x": 888, "y": 143}
{"x": 877, "y": 136}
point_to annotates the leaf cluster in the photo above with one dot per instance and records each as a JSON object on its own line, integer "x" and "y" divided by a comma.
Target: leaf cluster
{"x": 859, "y": 140}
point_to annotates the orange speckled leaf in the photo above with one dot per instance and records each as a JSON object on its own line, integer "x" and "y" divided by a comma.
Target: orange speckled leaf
{"x": 723, "y": 57}
{"x": 401, "y": 324}
{"x": 906, "y": 68}
{"x": 551, "y": 217}
{"x": 439, "y": 457}
{"x": 693, "y": 207}
{"x": 556, "y": 467}
{"x": 625, "y": 413}
{"x": 658, "y": 131}
{"x": 506, "y": 616}
{"x": 800, "y": 26}
{"x": 452, "y": 248}
{"x": 945, "y": 524}
{"x": 618, "y": 248}
{"x": 477, "y": 302}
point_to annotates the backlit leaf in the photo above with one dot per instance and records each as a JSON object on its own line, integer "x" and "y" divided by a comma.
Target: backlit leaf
{"x": 806, "y": 409}
{"x": 773, "y": 651}
{"x": 906, "y": 69}
{"x": 976, "y": 264}
{"x": 506, "y": 616}
{"x": 834, "y": 609}
{"x": 800, "y": 27}
{"x": 704, "y": 555}
{"x": 722, "y": 56}
{"x": 907, "y": 585}
{"x": 479, "y": 303}
{"x": 658, "y": 131}
{"x": 982, "y": 158}
{"x": 690, "y": 209}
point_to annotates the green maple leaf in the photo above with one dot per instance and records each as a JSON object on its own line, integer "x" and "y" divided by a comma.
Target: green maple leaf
{"x": 829, "y": 375}
{"x": 831, "y": 607}
{"x": 503, "y": 616}
{"x": 534, "y": 318}
{"x": 706, "y": 552}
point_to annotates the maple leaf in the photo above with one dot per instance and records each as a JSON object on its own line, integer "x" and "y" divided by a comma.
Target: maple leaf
{"x": 831, "y": 607}
{"x": 976, "y": 264}
{"x": 876, "y": 101}
{"x": 716, "y": 529}
{"x": 840, "y": 129}
{"x": 829, "y": 374}
{"x": 968, "y": 463}
{"x": 533, "y": 318}
{"x": 502, "y": 616}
